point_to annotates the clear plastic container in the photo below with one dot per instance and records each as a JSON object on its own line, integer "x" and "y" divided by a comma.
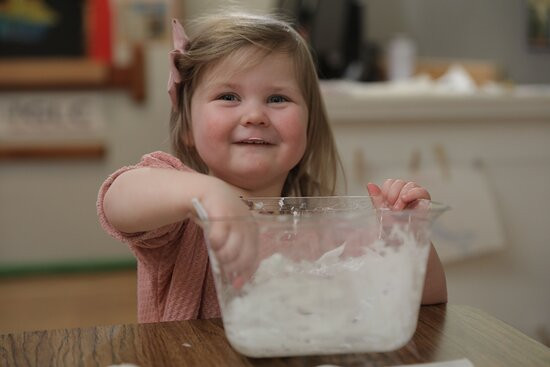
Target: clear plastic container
{"x": 333, "y": 275}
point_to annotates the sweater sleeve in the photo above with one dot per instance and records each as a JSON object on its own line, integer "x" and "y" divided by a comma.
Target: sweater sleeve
{"x": 154, "y": 238}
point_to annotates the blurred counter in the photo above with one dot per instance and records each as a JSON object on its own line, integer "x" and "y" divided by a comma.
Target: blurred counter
{"x": 421, "y": 100}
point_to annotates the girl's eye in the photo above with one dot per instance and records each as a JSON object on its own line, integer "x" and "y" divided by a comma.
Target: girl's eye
{"x": 277, "y": 99}
{"x": 228, "y": 97}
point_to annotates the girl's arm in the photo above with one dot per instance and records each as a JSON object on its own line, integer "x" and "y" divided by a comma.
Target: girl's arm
{"x": 435, "y": 284}
{"x": 144, "y": 199}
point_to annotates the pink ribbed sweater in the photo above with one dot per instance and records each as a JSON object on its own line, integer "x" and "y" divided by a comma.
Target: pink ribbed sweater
{"x": 174, "y": 277}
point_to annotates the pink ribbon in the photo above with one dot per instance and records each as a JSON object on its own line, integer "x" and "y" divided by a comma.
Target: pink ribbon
{"x": 174, "y": 79}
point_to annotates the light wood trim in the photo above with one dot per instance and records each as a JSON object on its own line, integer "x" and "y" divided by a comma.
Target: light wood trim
{"x": 77, "y": 73}
{"x": 30, "y": 73}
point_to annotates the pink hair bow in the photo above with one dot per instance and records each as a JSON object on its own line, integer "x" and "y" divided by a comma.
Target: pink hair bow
{"x": 180, "y": 42}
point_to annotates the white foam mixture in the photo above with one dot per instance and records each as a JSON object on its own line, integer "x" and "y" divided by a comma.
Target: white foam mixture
{"x": 331, "y": 305}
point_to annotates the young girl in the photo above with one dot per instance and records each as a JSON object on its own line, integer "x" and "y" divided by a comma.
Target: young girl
{"x": 247, "y": 120}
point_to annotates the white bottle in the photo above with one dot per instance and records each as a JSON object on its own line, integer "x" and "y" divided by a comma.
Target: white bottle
{"x": 401, "y": 58}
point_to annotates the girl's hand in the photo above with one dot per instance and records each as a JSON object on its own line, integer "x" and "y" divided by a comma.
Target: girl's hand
{"x": 232, "y": 241}
{"x": 399, "y": 195}
{"x": 396, "y": 194}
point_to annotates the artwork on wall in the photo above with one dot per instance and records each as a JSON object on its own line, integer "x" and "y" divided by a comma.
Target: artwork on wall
{"x": 59, "y": 53}
{"x": 40, "y": 28}
{"x": 538, "y": 24}
{"x": 52, "y": 125}
{"x": 79, "y": 43}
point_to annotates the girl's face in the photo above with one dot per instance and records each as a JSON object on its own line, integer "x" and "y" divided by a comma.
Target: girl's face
{"x": 249, "y": 123}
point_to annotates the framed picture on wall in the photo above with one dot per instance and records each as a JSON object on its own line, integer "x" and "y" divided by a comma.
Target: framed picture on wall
{"x": 53, "y": 28}
{"x": 60, "y": 44}
{"x": 52, "y": 125}
{"x": 538, "y": 24}
{"x": 55, "y": 55}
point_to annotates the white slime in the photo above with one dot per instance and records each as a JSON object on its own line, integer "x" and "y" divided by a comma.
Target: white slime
{"x": 335, "y": 304}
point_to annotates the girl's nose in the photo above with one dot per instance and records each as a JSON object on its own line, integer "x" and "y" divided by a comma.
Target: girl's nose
{"x": 254, "y": 114}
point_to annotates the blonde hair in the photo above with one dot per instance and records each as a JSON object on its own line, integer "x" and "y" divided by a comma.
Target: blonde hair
{"x": 218, "y": 36}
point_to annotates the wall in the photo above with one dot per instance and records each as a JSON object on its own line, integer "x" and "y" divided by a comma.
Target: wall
{"x": 195, "y": 8}
{"x": 47, "y": 210}
{"x": 491, "y": 30}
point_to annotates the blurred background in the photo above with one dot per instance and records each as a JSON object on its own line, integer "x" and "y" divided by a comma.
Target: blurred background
{"x": 453, "y": 94}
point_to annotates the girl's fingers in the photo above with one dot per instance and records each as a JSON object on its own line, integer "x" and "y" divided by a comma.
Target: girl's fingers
{"x": 400, "y": 203}
{"x": 394, "y": 191}
{"x": 416, "y": 193}
{"x": 241, "y": 270}
{"x": 376, "y": 196}
{"x": 217, "y": 235}
{"x": 386, "y": 187}
{"x": 238, "y": 256}
{"x": 248, "y": 259}
{"x": 229, "y": 252}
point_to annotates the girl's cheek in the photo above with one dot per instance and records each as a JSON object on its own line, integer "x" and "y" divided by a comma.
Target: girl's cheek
{"x": 295, "y": 120}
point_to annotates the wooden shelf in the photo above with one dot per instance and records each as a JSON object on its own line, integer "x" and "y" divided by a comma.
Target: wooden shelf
{"x": 50, "y": 151}
{"x": 63, "y": 74}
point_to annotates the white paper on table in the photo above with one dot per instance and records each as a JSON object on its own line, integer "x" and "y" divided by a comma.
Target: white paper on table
{"x": 464, "y": 362}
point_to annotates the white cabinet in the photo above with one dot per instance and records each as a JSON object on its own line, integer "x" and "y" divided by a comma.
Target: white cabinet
{"x": 497, "y": 151}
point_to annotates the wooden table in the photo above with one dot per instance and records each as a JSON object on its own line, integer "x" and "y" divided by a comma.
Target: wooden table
{"x": 443, "y": 333}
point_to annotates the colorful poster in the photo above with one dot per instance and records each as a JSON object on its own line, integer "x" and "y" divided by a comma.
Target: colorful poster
{"x": 42, "y": 28}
